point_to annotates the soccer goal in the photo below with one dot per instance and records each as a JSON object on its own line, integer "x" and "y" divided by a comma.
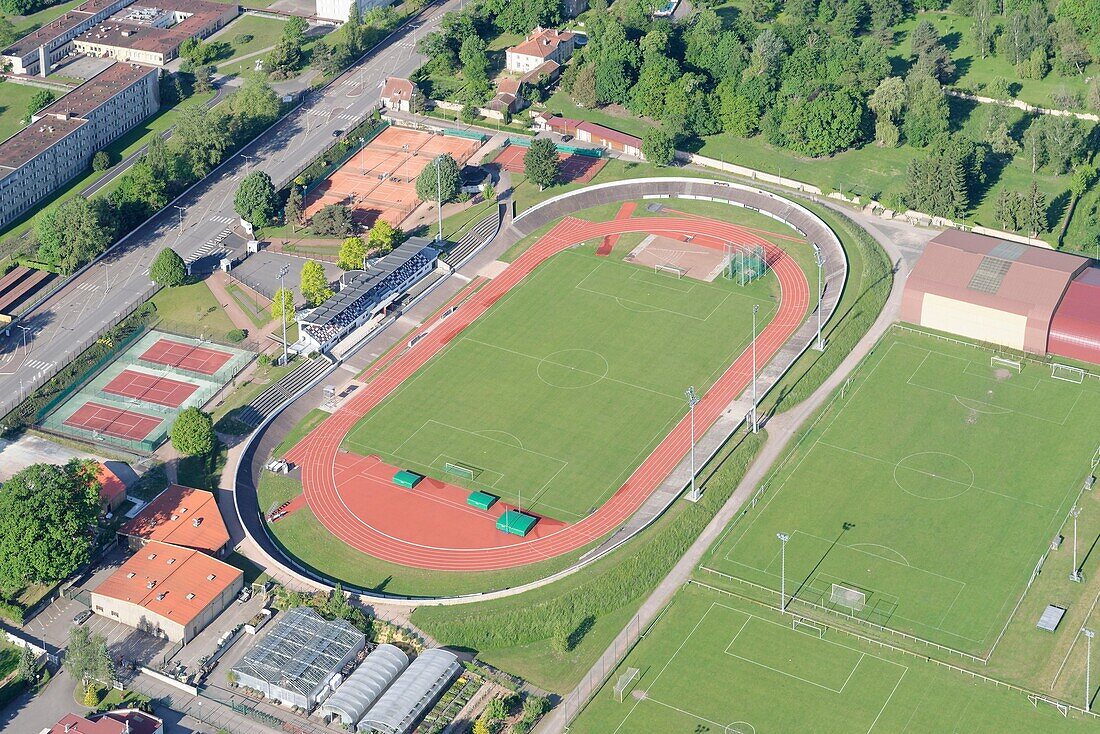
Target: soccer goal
{"x": 1035, "y": 699}
{"x": 669, "y": 269}
{"x": 1067, "y": 373}
{"x": 808, "y": 626}
{"x": 1011, "y": 364}
{"x": 624, "y": 682}
{"x": 462, "y": 471}
{"x": 846, "y": 596}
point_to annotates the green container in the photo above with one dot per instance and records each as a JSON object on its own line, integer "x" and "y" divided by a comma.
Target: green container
{"x": 516, "y": 523}
{"x": 481, "y": 500}
{"x": 407, "y": 479}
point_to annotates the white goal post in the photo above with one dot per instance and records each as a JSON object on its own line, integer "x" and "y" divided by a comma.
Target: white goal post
{"x": 669, "y": 269}
{"x": 801, "y": 624}
{"x": 1012, "y": 364}
{"x": 1036, "y": 699}
{"x": 845, "y": 596}
{"x": 1067, "y": 373}
{"x": 624, "y": 682}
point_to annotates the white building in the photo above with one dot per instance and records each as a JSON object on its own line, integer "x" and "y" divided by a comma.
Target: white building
{"x": 540, "y": 46}
{"x": 341, "y": 9}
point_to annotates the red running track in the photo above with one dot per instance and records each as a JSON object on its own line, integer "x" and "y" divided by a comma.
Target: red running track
{"x": 318, "y": 453}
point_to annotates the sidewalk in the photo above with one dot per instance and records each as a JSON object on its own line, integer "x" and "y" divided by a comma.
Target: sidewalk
{"x": 218, "y": 283}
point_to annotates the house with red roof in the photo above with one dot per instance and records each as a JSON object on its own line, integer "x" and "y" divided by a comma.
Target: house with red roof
{"x": 540, "y": 45}
{"x": 122, "y": 721}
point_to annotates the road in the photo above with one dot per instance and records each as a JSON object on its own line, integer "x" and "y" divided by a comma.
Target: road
{"x": 71, "y": 319}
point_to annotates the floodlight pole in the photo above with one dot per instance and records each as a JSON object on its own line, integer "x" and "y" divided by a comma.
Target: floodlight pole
{"x": 755, "y": 309}
{"x": 693, "y": 400}
{"x": 439, "y": 195}
{"x": 282, "y": 306}
{"x": 1075, "y": 574}
{"x": 1089, "y": 634}
{"x": 180, "y": 208}
{"x": 819, "y": 258}
{"x": 783, "y": 538}
{"x": 362, "y": 163}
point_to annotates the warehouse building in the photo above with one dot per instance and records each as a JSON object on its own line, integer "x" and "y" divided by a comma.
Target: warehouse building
{"x": 990, "y": 290}
{"x": 181, "y": 516}
{"x": 152, "y": 34}
{"x": 297, "y": 663}
{"x": 1075, "y": 329}
{"x": 62, "y": 138}
{"x": 167, "y": 591}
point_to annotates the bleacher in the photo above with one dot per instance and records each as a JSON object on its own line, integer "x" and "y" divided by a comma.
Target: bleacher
{"x": 19, "y": 285}
{"x": 366, "y": 293}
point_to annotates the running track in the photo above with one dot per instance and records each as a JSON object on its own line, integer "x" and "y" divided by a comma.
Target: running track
{"x": 317, "y": 452}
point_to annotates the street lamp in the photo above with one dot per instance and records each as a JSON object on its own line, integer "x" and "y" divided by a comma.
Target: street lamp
{"x": 1089, "y": 634}
{"x": 783, "y": 538}
{"x": 693, "y": 400}
{"x": 25, "y": 330}
{"x": 755, "y": 309}
{"x": 362, "y": 163}
{"x": 819, "y": 258}
{"x": 180, "y": 208}
{"x": 439, "y": 195}
{"x": 282, "y": 306}
{"x": 1075, "y": 574}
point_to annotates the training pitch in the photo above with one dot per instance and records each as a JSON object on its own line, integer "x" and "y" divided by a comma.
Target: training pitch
{"x": 929, "y": 488}
{"x": 719, "y": 665}
{"x": 505, "y": 398}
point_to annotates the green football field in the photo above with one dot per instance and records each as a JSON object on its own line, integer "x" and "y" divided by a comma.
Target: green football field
{"x": 557, "y": 393}
{"x": 719, "y": 665}
{"x": 929, "y": 489}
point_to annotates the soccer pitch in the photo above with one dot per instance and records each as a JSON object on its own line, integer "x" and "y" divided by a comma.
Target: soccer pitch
{"x": 565, "y": 385}
{"x": 930, "y": 487}
{"x": 719, "y": 665}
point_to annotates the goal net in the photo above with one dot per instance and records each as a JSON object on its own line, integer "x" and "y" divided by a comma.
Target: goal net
{"x": 1035, "y": 699}
{"x": 1002, "y": 362}
{"x": 745, "y": 263}
{"x": 462, "y": 471}
{"x": 624, "y": 682}
{"x": 1067, "y": 373}
{"x": 801, "y": 624}
{"x": 846, "y": 596}
{"x": 668, "y": 269}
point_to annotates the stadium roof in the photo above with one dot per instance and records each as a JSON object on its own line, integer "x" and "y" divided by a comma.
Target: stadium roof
{"x": 361, "y": 284}
{"x": 411, "y": 694}
{"x": 172, "y": 582}
{"x": 363, "y": 687}
{"x": 181, "y": 516}
{"x": 301, "y": 651}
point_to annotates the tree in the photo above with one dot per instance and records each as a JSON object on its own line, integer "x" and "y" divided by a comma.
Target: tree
{"x": 256, "y": 200}
{"x": 927, "y": 114}
{"x": 87, "y": 657}
{"x": 8, "y": 34}
{"x": 1033, "y": 210}
{"x": 449, "y": 185}
{"x": 286, "y": 58}
{"x": 352, "y": 255}
{"x": 1006, "y": 208}
{"x": 475, "y": 63}
{"x": 47, "y": 521}
{"x": 334, "y": 220}
{"x": 91, "y": 695}
{"x": 314, "y": 284}
{"x": 295, "y": 204}
{"x": 28, "y": 664}
{"x": 101, "y": 161}
{"x": 282, "y": 307}
{"x": 40, "y": 99}
{"x": 887, "y": 102}
{"x": 541, "y": 163}
{"x": 168, "y": 268}
{"x": 828, "y": 123}
{"x": 658, "y": 147}
{"x": 495, "y": 710}
{"x": 383, "y": 237}
{"x": 202, "y": 137}
{"x": 584, "y": 86}
{"x": 74, "y": 232}
{"x": 481, "y": 726}
{"x": 192, "y": 432}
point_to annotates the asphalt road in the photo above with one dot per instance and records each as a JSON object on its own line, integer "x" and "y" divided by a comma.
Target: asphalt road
{"x": 66, "y": 323}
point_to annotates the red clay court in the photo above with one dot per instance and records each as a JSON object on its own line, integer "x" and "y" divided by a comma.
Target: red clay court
{"x": 428, "y": 529}
{"x": 573, "y": 168}
{"x": 151, "y": 388}
{"x": 203, "y": 360}
{"x": 113, "y": 421}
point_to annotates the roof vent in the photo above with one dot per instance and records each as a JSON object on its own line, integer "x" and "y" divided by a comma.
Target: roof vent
{"x": 131, "y": 575}
{"x": 175, "y": 517}
{"x": 151, "y": 584}
{"x": 211, "y": 577}
{"x": 190, "y": 596}
{"x": 197, "y": 521}
{"x": 152, "y": 556}
{"x": 171, "y": 561}
{"x": 161, "y": 595}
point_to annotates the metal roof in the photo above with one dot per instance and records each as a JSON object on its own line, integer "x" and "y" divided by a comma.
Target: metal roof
{"x": 301, "y": 651}
{"x": 363, "y": 687}
{"x": 411, "y": 694}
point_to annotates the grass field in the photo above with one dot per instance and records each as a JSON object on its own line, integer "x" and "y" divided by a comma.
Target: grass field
{"x": 565, "y": 385}
{"x": 14, "y": 99}
{"x": 719, "y": 665}
{"x": 932, "y": 485}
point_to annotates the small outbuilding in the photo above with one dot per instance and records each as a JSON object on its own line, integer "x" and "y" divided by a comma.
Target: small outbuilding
{"x": 364, "y": 686}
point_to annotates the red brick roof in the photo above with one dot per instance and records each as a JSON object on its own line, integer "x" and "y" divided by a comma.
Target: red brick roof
{"x": 397, "y": 87}
{"x": 606, "y": 133}
{"x": 542, "y": 42}
{"x": 112, "y": 722}
{"x": 181, "y": 516}
{"x": 111, "y": 489}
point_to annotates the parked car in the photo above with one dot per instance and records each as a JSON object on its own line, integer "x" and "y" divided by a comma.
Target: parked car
{"x": 245, "y": 595}
{"x": 83, "y": 617}
{"x": 337, "y": 133}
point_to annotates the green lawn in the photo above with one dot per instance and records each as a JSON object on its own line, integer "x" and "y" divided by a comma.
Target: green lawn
{"x": 583, "y": 382}
{"x": 718, "y": 665}
{"x": 14, "y": 99}
{"x": 265, "y": 33}
{"x": 193, "y": 304}
{"x": 24, "y": 24}
{"x": 931, "y": 486}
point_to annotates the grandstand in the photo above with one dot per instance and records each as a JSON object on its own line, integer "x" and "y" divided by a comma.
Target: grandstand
{"x": 366, "y": 294}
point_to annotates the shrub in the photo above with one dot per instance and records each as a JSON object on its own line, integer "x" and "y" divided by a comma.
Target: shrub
{"x": 193, "y": 433}
{"x": 263, "y": 360}
{"x": 242, "y": 38}
{"x": 168, "y": 268}
{"x": 101, "y": 161}
{"x": 237, "y": 335}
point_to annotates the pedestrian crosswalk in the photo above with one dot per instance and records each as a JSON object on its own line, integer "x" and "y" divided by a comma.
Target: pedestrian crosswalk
{"x": 88, "y": 286}
{"x": 345, "y": 117}
{"x": 37, "y": 364}
{"x": 209, "y": 247}
{"x": 223, "y": 220}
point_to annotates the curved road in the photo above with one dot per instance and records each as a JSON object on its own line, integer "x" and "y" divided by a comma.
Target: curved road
{"x": 318, "y": 452}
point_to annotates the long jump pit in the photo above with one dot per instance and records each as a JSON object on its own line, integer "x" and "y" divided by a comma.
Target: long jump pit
{"x": 431, "y": 524}
{"x": 379, "y": 180}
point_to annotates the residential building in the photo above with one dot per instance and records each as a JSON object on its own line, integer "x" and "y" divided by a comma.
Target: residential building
{"x": 62, "y": 138}
{"x": 182, "y": 516}
{"x": 341, "y": 9}
{"x": 168, "y": 591}
{"x": 589, "y": 132}
{"x": 540, "y": 46}
{"x": 397, "y": 94}
{"x": 36, "y": 53}
{"x": 152, "y": 34}
{"x": 122, "y": 721}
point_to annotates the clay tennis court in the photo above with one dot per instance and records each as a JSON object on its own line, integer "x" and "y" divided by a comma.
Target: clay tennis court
{"x": 113, "y": 421}
{"x": 169, "y": 352}
{"x": 379, "y": 181}
{"x": 572, "y": 168}
{"x": 151, "y": 388}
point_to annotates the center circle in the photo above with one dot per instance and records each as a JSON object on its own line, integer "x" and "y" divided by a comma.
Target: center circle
{"x": 933, "y": 475}
{"x": 572, "y": 368}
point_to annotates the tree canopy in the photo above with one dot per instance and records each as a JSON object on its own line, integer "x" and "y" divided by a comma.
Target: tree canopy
{"x": 256, "y": 200}
{"x": 192, "y": 432}
{"x": 353, "y": 253}
{"x": 334, "y": 220}
{"x": 168, "y": 268}
{"x": 541, "y": 164}
{"x": 449, "y": 184}
{"x": 314, "y": 283}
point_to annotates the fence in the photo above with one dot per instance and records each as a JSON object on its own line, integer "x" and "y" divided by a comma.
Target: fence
{"x": 333, "y": 167}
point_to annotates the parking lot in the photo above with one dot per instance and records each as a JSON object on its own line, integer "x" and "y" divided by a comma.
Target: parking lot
{"x": 261, "y": 272}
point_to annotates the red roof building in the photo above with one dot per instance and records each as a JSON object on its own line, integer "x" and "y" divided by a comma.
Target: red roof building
{"x": 181, "y": 516}
{"x": 397, "y": 94}
{"x": 1075, "y": 329}
{"x": 541, "y": 45}
{"x": 123, "y": 721}
{"x": 112, "y": 492}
